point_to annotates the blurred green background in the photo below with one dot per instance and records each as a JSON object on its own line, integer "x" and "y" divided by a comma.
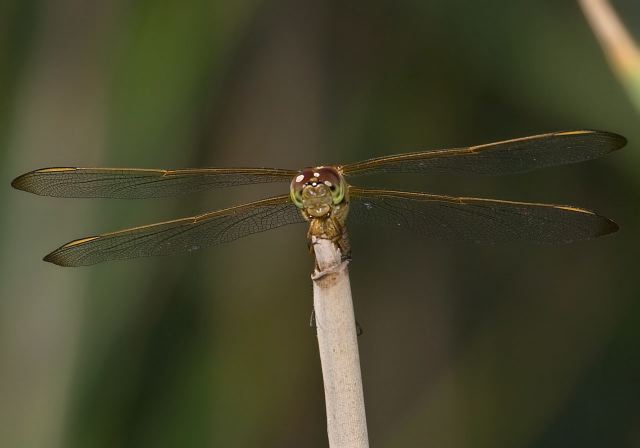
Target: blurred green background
{"x": 464, "y": 346}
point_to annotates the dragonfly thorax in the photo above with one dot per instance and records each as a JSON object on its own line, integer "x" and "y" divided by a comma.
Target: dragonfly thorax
{"x": 316, "y": 191}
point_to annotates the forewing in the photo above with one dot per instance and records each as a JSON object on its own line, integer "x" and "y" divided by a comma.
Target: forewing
{"x": 506, "y": 157}
{"x": 179, "y": 236}
{"x": 130, "y": 183}
{"x": 474, "y": 219}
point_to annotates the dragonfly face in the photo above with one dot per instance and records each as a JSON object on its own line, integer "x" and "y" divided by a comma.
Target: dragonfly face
{"x": 321, "y": 194}
{"x": 317, "y": 191}
{"x": 322, "y": 197}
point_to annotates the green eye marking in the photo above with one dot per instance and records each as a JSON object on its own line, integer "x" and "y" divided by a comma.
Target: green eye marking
{"x": 295, "y": 190}
{"x": 296, "y": 197}
{"x": 337, "y": 193}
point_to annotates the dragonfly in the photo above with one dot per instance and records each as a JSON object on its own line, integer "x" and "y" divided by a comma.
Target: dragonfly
{"x": 323, "y": 197}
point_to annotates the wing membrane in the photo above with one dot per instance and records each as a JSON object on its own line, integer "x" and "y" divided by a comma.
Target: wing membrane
{"x": 179, "y": 236}
{"x": 506, "y": 157}
{"x": 474, "y": 219}
{"x": 129, "y": 183}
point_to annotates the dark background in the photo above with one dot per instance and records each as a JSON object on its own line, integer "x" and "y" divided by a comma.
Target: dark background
{"x": 464, "y": 345}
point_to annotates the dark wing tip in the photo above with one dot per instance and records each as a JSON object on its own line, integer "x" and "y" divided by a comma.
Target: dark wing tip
{"x": 19, "y": 182}
{"x": 58, "y": 257}
{"x": 55, "y": 259}
{"x": 608, "y": 227}
{"x": 65, "y": 255}
{"x": 611, "y": 139}
{"x": 30, "y": 182}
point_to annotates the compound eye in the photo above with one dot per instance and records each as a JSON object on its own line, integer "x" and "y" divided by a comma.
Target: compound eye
{"x": 295, "y": 190}
{"x": 337, "y": 193}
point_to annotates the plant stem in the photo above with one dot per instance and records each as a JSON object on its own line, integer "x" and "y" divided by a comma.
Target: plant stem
{"x": 618, "y": 45}
{"x": 338, "y": 343}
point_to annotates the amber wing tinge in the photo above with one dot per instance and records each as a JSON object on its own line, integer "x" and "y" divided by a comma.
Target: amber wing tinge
{"x": 475, "y": 219}
{"x": 131, "y": 183}
{"x": 506, "y": 157}
{"x": 179, "y": 236}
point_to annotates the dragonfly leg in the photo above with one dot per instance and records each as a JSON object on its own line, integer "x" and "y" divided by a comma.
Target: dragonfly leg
{"x": 312, "y": 320}
{"x": 345, "y": 247}
{"x": 341, "y": 239}
{"x": 310, "y": 241}
{"x": 359, "y": 329}
{"x": 332, "y": 229}
{"x": 310, "y": 246}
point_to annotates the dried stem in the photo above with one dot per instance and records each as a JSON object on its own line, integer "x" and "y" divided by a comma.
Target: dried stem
{"x": 337, "y": 339}
{"x": 618, "y": 45}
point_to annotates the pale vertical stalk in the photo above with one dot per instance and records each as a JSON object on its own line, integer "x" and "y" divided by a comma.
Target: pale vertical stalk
{"x": 338, "y": 342}
{"x": 618, "y": 45}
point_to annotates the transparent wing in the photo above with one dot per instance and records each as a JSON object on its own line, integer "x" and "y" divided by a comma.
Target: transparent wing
{"x": 130, "y": 183}
{"x": 473, "y": 219}
{"x": 511, "y": 156}
{"x": 179, "y": 236}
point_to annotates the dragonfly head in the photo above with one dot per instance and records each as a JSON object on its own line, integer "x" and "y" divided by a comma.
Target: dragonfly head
{"x": 317, "y": 190}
